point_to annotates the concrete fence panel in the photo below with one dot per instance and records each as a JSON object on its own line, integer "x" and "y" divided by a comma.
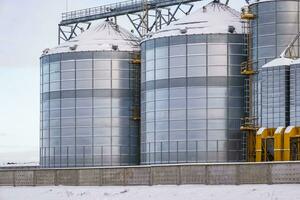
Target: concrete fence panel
{"x": 193, "y": 174}
{"x": 7, "y": 178}
{"x": 89, "y": 177}
{"x": 213, "y": 174}
{"x": 222, "y": 174}
{"x": 113, "y": 176}
{"x": 165, "y": 175}
{"x": 254, "y": 174}
{"x": 24, "y": 178}
{"x": 67, "y": 177}
{"x": 45, "y": 177}
{"x": 138, "y": 176}
{"x": 285, "y": 173}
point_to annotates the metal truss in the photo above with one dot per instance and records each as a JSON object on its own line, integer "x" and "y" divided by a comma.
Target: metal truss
{"x": 67, "y": 32}
{"x": 151, "y": 20}
{"x": 292, "y": 51}
{"x": 145, "y": 16}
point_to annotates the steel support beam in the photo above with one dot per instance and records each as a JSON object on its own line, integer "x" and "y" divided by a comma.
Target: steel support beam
{"x": 117, "y": 9}
{"x": 157, "y": 18}
{"x": 144, "y": 17}
{"x": 67, "y": 32}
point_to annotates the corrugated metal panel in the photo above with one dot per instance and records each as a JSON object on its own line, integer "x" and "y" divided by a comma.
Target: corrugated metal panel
{"x": 295, "y": 94}
{"x": 192, "y": 99}
{"x": 87, "y": 102}
{"x": 274, "y": 27}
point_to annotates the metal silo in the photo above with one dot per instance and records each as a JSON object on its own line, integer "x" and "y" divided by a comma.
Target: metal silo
{"x": 90, "y": 100}
{"x": 276, "y": 93}
{"x": 275, "y": 24}
{"x": 295, "y": 93}
{"x": 192, "y": 89}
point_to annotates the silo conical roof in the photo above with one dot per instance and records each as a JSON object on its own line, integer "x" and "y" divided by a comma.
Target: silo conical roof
{"x": 107, "y": 36}
{"x": 213, "y": 18}
{"x": 282, "y": 61}
{"x": 258, "y": 1}
{"x": 296, "y": 61}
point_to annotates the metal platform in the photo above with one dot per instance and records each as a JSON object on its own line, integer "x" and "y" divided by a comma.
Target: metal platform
{"x": 144, "y": 15}
{"x": 116, "y": 9}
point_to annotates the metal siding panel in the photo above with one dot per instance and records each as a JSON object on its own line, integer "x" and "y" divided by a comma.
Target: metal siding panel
{"x": 176, "y": 150}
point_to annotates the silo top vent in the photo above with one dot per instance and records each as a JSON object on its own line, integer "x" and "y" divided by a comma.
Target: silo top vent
{"x": 212, "y": 18}
{"x": 104, "y": 37}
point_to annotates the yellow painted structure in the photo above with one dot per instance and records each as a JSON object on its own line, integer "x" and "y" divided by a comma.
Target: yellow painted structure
{"x": 291, "y": 133}
{"x": 247, "y": 69}
{"x": 251, "y": 140}
{"x": 279, "y": 143}
{"x": 265, "y": 144}
{"x": 247, "y": 14}
{"x": 282, "y": 144}
{"x": 136, "y": 60}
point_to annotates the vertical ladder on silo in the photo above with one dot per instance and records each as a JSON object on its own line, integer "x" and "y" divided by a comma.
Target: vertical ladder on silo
{"x": 135, "y": 65}
{"x": 136, "y": 62}
{"x": 248, "y": 122}
{"x": 247, "y": 97}
{"x": 244, "y": 146}
{"x": 247, "y": 111}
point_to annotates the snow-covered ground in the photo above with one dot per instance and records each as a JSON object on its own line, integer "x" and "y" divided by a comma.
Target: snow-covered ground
{"x": 186, "y": 192}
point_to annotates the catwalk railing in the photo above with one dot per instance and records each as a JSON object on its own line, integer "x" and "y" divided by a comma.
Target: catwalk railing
{"x": 116, "y": 9}
{"x": 167, "y": 152}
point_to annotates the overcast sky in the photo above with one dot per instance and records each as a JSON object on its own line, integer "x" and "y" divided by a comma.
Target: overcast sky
{"x": 28, "y": 27}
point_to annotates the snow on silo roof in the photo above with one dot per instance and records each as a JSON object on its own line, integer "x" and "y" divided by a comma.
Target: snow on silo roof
{"x": 258, "y": 1}
{"x": 282, "y": 61}
{"x": 105, "y": 37}
{"x": 212, "y": 18}
{"x": 296, "y": 62}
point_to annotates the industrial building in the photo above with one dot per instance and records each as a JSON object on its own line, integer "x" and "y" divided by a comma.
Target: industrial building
{"x": 215, "y": 85}
{"x": 272, "y": 28}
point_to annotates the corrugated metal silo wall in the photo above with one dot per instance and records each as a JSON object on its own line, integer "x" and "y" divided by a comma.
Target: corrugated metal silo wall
{"x": 295, "y": 95}
{"x": 192, "y": 98}
{"x": 275, "y": 26}
{"x": 275, "y": 96}
{"x": 86, "y": 109}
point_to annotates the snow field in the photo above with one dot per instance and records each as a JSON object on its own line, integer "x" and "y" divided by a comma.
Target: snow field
{"x": 184, "y": 192}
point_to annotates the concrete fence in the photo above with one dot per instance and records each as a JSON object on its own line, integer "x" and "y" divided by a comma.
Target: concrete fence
{"x": 210, "y": 174}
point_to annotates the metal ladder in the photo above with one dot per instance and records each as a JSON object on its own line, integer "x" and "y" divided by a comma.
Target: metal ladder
{"x": 248, "y": 126}
{"x": 135, "y": 63}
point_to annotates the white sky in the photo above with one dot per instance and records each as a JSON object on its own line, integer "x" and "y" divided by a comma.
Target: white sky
{"x": 28, "y": 27}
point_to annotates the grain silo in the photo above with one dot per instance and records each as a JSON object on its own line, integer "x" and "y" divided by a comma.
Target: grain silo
{"x": 295, "y": 93}
{"x": 275, "y": 24}
{"x": 192, "y": 89}
{"x": 90, "y": 100}
{"x": 276, "y": 93}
